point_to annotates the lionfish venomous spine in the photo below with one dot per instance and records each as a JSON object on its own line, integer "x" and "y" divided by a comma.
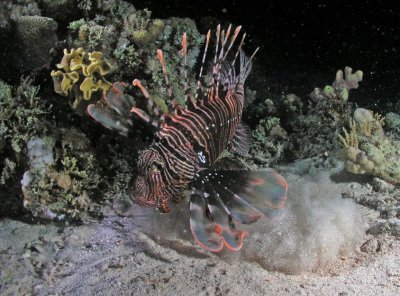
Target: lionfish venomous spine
{"x": 188, "y": 141}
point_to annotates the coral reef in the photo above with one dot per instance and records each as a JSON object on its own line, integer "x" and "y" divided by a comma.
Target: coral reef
{"x": 22, "y": 115}
{"x": 59, "y": 185}
{"x": 59, "y": 168}
{"x": 170, "y": 42}
{"x": 366, "y": 148}
{"x": 84, "y": 69}
{"x": 129, "y": 39}
{"x": 268, "y": 144}
{"x": 313, "y": 132}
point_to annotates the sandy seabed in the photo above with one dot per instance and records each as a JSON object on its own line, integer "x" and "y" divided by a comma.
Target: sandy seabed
{"x": 319, "y": 247}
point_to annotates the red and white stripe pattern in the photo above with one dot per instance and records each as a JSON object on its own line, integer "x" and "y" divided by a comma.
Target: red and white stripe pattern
{"x": 192, "y": 137}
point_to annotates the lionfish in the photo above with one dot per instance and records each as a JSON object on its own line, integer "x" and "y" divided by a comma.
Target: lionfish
{"x": 188, "y": 141}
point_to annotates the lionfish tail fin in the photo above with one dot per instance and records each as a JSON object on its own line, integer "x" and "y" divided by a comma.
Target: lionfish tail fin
{"x": 222, "y": 200}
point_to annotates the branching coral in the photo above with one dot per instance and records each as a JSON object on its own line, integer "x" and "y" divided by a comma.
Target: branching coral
{"x": 84, "y": 69}
{"x": 366, "y": 149}
{"x": 340, "y": 87}
{"x": 350, "y": 81}
{"x": 21, "y": 112}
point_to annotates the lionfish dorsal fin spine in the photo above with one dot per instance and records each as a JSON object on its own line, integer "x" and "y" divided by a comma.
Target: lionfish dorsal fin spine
{"x": 199, "y": 81}
{"x": 185, "y": 68}
{"x": 234, "y": 36}
{"x": 239, "y": 49}
{"x": 171, "y": 96}
{"x": 150, "y": 101}
{"x": 221, "y": 52}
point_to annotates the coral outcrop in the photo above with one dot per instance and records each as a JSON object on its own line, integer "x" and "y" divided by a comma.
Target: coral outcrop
{"x": 62, "y": 175}
{"x": 314, "y": 131}
{"x": 22, "y": 116}
{"x": 33, "y": 38}
{"x": 367, "y": 150}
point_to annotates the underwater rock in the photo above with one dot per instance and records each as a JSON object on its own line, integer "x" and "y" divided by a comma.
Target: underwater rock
{"x": 40, "y": 152}
{"x": 371, "y": 246}
{"x": 57, "y": 9}
{"x": 34, "y": 37}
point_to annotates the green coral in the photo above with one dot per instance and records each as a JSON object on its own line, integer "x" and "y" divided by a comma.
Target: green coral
{"x": 136, "y": 57}
{"x": 22, "y": 115}
{"x": 366, "y": 148}
{"x": 84, "y": 69}
{"x": 120, "y": 9}
{"x": 170, "y": 41}
{"x": 267, "y": 145}
{"x": 85, "y": 4}
{"x": 92, "y": 35}
{"x": 392, "y": 121}
{"x": 141, "y": 28}
{"x": 76, "y": 25}
{"x": 128, "y": 57}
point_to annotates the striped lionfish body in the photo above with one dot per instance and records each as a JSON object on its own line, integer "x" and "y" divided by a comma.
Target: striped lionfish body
{"x": 190, "y": 139}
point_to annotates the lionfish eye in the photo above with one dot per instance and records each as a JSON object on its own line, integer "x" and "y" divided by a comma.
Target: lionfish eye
{"x": 156, "y": 167}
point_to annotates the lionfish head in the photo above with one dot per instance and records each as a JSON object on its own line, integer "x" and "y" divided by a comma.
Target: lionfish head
{"x": 148, "y": 189}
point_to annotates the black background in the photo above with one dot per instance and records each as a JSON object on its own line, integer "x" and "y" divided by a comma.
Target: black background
{"x": 313, "y": 39}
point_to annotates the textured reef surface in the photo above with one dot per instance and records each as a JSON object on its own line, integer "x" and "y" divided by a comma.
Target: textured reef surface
{"x": 67, "y": 223}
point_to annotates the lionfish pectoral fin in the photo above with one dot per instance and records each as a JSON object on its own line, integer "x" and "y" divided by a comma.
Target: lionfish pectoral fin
{"x": 119, "y": 101}
{"x": 108, "y": 119}
{"x": 223, "y": 224}
{"x": 113, "y": 111}
{"x": 259, "y": 192}
{"x": 221, "y": 198}
{"x": 201, "y": 225}
{"x": 241, "y": 140}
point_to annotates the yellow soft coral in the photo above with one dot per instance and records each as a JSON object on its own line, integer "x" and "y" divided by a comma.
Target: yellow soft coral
{"x": 87, "y": 70}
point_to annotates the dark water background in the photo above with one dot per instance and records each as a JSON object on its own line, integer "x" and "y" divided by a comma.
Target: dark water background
{"x": 304, "y": 43}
